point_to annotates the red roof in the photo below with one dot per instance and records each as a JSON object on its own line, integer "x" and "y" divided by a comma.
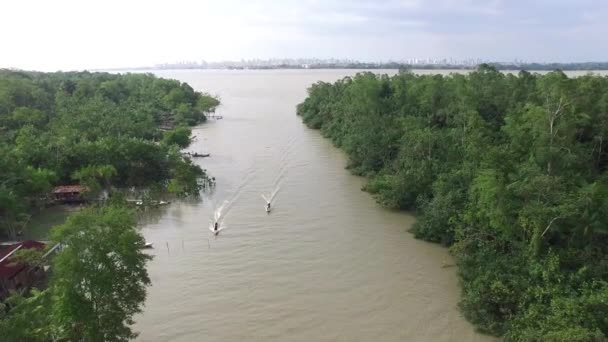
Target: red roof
{"x": 8, "y": 268}
{"x": 69, "y": 188}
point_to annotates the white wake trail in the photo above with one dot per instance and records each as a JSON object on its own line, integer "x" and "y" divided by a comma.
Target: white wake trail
{"x": 220, "y": 212}
{"x": 275, "y": 192}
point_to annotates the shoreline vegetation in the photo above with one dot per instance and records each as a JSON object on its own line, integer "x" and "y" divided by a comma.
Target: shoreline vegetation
{"x": 104, "y": 131}
{"x": 508, "y": 171}
{"x": 111, "y": 133}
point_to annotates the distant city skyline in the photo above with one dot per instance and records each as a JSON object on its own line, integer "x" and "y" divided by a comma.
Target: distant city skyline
{"x": 306, "y": 62}
{"x": 74, "y": 35}
{"x": 410, "y": 60}
{"x": 414, "y": 60}
{"x": 257, "y": 63}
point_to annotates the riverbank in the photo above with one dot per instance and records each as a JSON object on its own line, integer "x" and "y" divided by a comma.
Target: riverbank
{"x": 479, "y": 157}
{"x": 97, "y": 130}
{"x": 69, "y": 138}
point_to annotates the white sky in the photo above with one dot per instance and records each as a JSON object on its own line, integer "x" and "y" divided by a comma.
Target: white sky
{"x": 68, "y": 35}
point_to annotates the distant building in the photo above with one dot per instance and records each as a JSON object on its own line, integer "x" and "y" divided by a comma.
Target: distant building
{"x": 69, "y": 193}
{"x": 17, "y": 276}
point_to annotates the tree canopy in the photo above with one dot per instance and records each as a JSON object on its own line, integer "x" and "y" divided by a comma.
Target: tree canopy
{"x": 98, "y": 129}
{"x": 103, "y": 131}
{"x": 508, "y": 170}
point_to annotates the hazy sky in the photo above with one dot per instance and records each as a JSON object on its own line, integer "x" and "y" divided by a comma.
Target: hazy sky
{"x": 65, "y": 34}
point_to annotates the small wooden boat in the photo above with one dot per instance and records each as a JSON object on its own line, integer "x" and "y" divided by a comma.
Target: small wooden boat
{"x": 199, "y": 155}
{"x": 151, "y": 203}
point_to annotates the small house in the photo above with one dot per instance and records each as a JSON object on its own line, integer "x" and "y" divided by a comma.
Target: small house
{"x": 69, "y": 193}
{"x": 16, "y": 276}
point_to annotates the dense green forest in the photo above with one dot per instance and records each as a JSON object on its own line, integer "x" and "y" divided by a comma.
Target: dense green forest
{"x": 98, "y": 129}
{"x": 508, "y": 170}
{"x": 102, "y": 131}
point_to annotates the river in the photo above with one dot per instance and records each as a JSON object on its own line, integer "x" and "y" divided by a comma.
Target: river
{"x": 327, "y": 264}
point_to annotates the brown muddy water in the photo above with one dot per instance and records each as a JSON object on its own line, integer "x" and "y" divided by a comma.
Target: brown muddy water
{"x": 326, "y": 264}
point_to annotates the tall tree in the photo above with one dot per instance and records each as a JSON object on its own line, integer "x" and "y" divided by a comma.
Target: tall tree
{"x": 99, "y": 277}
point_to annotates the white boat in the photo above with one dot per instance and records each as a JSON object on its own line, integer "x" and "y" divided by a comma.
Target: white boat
{"x": 146, "y": 245}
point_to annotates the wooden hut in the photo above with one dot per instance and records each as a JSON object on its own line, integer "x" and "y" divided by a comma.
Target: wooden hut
{"x": 69, "y": 193}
